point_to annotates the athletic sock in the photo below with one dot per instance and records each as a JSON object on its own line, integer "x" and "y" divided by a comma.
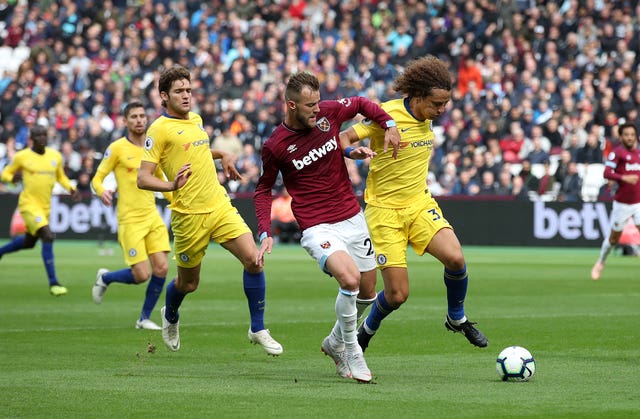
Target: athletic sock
{"x": 362, "y": 304}
{"x": 456, "y": 282}
{"x": 346, "y": 313}
{"x": 154, "y": 289}
{"x": 379, "y": 311}
{"x": 605, "y": 250}
{"x": 173, "y": 300}
{"x": 14, "y": 245}
{"x": 48, "y": 259}
{"x": 255, "y": 290}
{"x": 124, "y": 276}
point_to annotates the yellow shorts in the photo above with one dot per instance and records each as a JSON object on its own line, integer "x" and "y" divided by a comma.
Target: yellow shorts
{"x": 192, "y": 232}
{"x": 392, "y": 230}
{"x": 141, "y": 239}
{"x": 34, "y": 219}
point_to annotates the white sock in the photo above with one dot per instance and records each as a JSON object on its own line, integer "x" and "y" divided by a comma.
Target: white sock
{"x": 347, "y": 313}
{"x": 605, "y": 250}
{"x": 362, "y": 304}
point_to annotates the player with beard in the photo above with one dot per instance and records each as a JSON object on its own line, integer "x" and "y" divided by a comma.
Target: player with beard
{"x": 306, "y": 151}
{"x": 623, "y": 167}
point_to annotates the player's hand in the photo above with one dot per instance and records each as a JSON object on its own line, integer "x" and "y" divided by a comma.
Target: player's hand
{"x": 107, "y": 197}
{"x": 228, "y": 162}
{"x": 363, "y": 152}
{"x": 265, "y": 246}
{"x": 182, "y": 176}
{"x": 632, "y": 179}
{"x": 392, "y": 136}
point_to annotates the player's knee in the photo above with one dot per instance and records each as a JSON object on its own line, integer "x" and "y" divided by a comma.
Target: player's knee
{"x": 455, "y": 263}
{"x": 160, "y": 269}
{"x": 140, "y": 273}
{"x": 29, "y": 243}
{"x": 397, "y": 298}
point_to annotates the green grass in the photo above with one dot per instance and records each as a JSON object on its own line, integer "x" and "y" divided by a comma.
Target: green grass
{"x": 66, "y": 357}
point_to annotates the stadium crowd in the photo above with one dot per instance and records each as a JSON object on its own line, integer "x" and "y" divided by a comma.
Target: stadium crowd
{"x": 540, "y": 86}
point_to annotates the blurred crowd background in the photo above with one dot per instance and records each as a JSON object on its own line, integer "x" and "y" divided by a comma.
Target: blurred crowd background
{"x": 539, "y": 86}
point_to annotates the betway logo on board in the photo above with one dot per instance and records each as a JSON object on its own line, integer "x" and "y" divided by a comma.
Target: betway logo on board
{"x": 316, "y": 154}
{"x": 80, "y": 217}
{"x": 590, "y": 222}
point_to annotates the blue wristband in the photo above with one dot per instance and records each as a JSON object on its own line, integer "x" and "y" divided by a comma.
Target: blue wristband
{"x": 347, "y": 152}
{"x": 263, "y": 236}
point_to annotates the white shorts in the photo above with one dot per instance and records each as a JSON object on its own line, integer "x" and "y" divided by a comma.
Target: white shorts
{"x": 622, "y": 212}
{"x": 351, "y": 236}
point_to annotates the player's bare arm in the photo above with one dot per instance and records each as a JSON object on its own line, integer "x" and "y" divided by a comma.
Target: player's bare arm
{"x": 632, "y": 179}
{"x": 228, "y": 162}
{"x": 147, "y": 180}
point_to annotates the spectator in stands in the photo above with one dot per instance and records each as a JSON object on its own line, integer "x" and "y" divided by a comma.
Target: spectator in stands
{"x": 571, "y": 184}
{"x": 465, "y": 185}
{"x": 488, "y": 185}
{"x": 547, "y": 182}
{"x": 591, "y": 152}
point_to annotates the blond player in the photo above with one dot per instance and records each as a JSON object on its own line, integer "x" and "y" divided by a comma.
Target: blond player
{"x": 201, "y": 209}
{"x": 141, "y": 232}
{"x": 400, "y": 210}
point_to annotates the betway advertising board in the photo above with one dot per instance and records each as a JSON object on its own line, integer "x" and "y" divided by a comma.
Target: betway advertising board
{"x": 477, "y": 222}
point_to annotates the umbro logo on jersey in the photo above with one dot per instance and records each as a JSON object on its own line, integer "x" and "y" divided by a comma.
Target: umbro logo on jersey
{"x": 292, "y": 148}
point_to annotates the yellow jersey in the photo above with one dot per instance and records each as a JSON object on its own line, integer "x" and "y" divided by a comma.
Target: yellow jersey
{"x": 123, "y": 157}
{"x": 398, "y": 183}
{"x": 40, "y": 172}
{"x": 173, "y": 142}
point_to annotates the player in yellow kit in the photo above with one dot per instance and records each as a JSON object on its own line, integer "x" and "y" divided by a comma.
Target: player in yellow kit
{"x": 201, "y": 209}
{"x": 141, "y": 232}
{"x": 400, "y": 210}
{"x": 40, "y": 167}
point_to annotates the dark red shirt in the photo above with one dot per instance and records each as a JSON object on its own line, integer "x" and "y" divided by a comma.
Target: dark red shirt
{"x": 312, "y": 165}
{"x": 622, "y": 161}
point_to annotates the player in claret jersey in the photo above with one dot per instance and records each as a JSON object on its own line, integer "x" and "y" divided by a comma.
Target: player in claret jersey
{"x": 622, "y": 166}
{"x": 306, "y": 150}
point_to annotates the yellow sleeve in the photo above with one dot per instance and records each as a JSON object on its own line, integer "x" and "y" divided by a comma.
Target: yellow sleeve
{"x": 9, "y": 171}
{"x": 61, "y": 177}
{"x": 105, "y": 167}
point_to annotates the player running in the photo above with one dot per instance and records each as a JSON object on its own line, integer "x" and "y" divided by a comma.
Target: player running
{"x": 40, "y": 167}
{"x": 141, "y": 232}
{"x": 623, "y": 167}
{"x": 305, "y": 149}
{"x": 400, "y": 210}
{"x": 201, "y": 209}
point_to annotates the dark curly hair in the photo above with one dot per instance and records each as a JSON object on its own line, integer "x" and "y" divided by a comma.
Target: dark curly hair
{"x": 168, "y": 76}
{"x": 422, "y": 76}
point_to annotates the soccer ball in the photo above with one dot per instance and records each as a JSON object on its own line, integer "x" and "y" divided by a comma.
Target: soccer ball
{"x": 515, "y": 363}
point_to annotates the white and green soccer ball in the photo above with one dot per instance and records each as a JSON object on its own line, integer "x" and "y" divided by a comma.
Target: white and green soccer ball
{"x": 515, "y": 363}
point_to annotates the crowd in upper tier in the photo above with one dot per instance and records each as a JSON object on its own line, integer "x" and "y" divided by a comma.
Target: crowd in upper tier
{"x": 540, "y": 86}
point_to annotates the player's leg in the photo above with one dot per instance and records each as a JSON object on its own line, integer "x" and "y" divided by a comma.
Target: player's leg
{"x": 159, "y": 268}
{"x": 28, "y": 240}
{"x": 446, "y": 247}
{"x": 47, "y": 237}
{"x": 157, "y": 246}
{"x": 367, "y": 294}
{"x": 620, "y": 213}
{"x": 341, "y": 265}
{"x": 394, "y": 294}
{"x": 243, "y": 247}
{"x": 131, "y": 239}
{"x": 190, "y": 244}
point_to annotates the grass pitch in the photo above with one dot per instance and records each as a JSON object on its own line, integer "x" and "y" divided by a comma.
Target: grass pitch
{"x": 66, "y": 357}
